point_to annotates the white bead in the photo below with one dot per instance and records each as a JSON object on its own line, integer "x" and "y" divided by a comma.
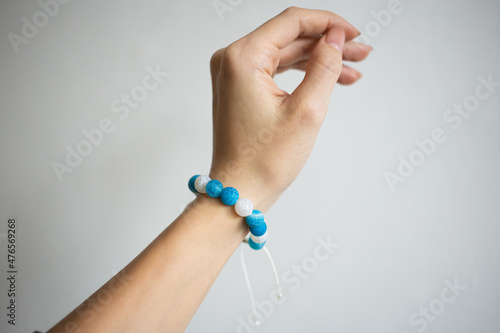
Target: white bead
{"x": 259, "y": 239}
{"x": 243, "y": 207}
{"x": 201, "y": 182}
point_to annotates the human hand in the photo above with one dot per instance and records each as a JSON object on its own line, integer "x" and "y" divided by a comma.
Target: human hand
{"x": 262, "y": 135}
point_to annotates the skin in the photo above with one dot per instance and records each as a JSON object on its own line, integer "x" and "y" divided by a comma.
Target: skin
{"x": 262, "y": 138}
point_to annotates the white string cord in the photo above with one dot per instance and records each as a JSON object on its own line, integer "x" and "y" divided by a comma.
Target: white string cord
{"x": 278, "y": 289}
{"x": 249, "y": 286}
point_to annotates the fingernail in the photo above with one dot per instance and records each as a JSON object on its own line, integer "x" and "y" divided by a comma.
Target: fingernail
{"x": 366, "y": 47}
{"x": 357, "y": 30}
{"x": 335, "y": 37}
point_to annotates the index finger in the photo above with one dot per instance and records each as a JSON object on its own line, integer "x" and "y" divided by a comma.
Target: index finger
{"x": 294, "y": 22}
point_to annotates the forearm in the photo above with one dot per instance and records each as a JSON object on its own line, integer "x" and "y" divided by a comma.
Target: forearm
{"x": 167, "y": 282}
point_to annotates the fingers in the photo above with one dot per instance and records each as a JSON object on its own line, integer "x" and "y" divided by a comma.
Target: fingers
{"x": 355, "y": 51}
{"x": 298, "y": 50}
{"x": 296, "y": 56}
{"x": 301, "y": 49}
{"x": 301, "y": 66}
{"x": 262, "y": 46}
{"x": 322, "y": 72}
{"x": 349, "y": 75}
{"x": 294, "y": 22}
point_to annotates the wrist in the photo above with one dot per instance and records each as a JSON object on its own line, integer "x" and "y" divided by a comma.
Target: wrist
{"x": 230, "y": 197}
{"x": 222, "y": 220}
{"x": 249, "y": 187}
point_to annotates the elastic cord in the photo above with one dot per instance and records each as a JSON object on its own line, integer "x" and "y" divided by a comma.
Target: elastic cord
{"x": 278, "y": 289}
{"x": 249, "y": 287}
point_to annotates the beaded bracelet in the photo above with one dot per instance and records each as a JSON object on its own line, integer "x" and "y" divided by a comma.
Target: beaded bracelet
{"x": 255, "y": 221}
{"x": 243, "y": 207}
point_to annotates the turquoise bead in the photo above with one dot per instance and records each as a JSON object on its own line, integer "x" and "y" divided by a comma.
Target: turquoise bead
{"x": 229, "y": 196}
{"x": 259, "y": 230}
{"x": 256, "y": 219}
{"x": 214, "y": 188}
{"x": 191, "y": 184}
{"x": 255, "y": 246}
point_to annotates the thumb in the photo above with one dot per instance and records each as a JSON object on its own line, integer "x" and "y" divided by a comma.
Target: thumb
{"x": 322, "y": 72}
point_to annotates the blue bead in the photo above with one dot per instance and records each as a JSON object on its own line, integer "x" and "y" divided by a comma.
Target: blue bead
{"x": 255, "y": 246}
{"x": 259, "y": 230}
{"x": 229, "y": 196}
{"x": 256, "y": 219}
{"x": 214, "y": 188}
{"x": 191, "y": 184}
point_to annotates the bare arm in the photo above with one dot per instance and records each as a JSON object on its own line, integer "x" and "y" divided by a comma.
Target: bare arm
{"x": 161, "y": 289}
{"x": 262, "y": 138}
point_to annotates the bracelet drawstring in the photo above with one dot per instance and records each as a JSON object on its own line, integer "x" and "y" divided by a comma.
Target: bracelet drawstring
{"x": 278, "y": 289}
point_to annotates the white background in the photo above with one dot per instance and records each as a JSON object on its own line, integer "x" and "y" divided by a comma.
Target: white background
{"x": 397, "y": 248}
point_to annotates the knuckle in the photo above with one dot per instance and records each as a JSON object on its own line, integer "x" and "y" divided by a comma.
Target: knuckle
{"x": 309, "y": 112}
{"x": 247, "y": 54}
{"x": 232, "y": 51}
{"x": 215, "y": 61}
{"x": 231, "y": 58}
{"x": 266, "y": 59}
{"x": 292, "y": 10}
{"x": 330, "y": 65}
